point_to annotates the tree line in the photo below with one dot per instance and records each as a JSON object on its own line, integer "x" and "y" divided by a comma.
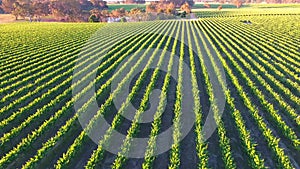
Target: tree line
{"x": 84, "y": 10}
{"x": 153, "y": 11}
{"x": 97, "y": 10}
{"x": 72, "y": 10}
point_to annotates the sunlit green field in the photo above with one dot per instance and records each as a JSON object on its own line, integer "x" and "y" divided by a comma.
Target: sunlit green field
{"x": 127, "y": 7}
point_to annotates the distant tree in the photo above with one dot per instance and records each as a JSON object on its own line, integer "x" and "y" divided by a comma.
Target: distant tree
{"x": 104, "y": 15}
{"x": 100, "y": 4}
{"x": 183, "y": 14}
{"x": 1, "y": 10}
{"x": 161, "y": 7}
{"x": 118, "y": 13}
{"x": 161, "y": 16}
{"x": 95, "y": 15}
{"x": 178, "y": 3}
{"x": 238, "y": 3}
{"x": 28, "y": 9}
{"x": 186, "y": 8}
{"x": 8, "y": 5}
{"x": 206, "y": 5}
{"x": 86, "y": 5}
{"x": 101, "y": 15}
{"x": 123, "y": 19}
{"x": 136, "y": 14}
{"x": 95, "y": 3}
{"x": 103, "y": 5}
{"x": 17, "y": 10}
{"x": 220, "y": 7}
{"x": 93, "y": 18}
{"x": 171, "y": 8}
{"x": 151, "y": 7}
{"x": 66, "y": 8}
{"x": 129, "y": 1}
{"x": 41, "y": 8}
